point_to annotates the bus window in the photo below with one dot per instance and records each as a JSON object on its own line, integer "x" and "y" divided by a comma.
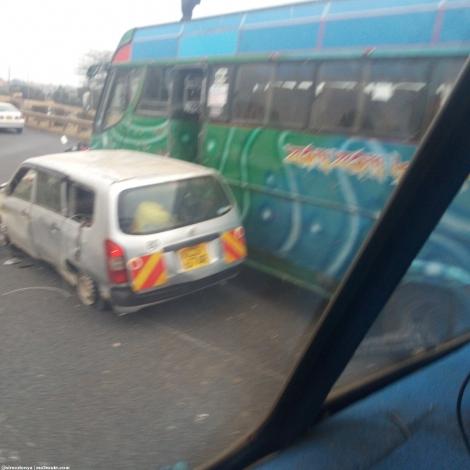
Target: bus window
{"x": 155, "y": 97}
{"x": 124, "y": 87}
{"x": 292, "y": 94}
{"x": 444, "y": 75}
{"x": 219, "y": 92}
{"x": 395, "y": 94}
{"x": 336, "y": 96}
{"x": 252, "y": 91}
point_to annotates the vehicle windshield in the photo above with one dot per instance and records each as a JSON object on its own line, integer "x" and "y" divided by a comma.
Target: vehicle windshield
{"x": 7, "y": 107}
{"x": 428, "y": 309}
{"x": 166, "y": 206}
{"x": 306, "y": 114}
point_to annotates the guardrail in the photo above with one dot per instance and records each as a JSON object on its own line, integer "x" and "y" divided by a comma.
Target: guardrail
{"x": 70, "y": 126}
{"x": 45, "y": 117}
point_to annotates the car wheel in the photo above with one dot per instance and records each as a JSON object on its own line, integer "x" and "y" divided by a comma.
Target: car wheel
{"x": 88, "y": 292}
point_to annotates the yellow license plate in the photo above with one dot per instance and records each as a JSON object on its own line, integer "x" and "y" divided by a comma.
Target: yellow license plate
{"x": 194, "y": 257}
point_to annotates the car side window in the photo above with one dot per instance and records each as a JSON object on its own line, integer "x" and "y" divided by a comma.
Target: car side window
{"x": 49, "y": 191}
{"x": 80, "y": 203}
{"x": 23, "y": 183}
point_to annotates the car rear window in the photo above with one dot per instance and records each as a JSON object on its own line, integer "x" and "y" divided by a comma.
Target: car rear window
{"x": 7, "y": 107}
{"x": 165, "y": 206}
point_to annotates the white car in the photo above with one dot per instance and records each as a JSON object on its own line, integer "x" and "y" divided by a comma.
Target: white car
{"x": 11, "y": 117}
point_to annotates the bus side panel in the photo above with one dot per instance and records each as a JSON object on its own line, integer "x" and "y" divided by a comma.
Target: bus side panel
{"x": 146, "y": 134}
{"x": 298, "y": 191}
{"x": 114, "y": 137}
{"x": 184, "y": 139}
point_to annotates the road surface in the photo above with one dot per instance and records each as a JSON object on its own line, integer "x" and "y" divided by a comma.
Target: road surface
{"x": 178, "y": 382}
{"x": 14, "y": 148}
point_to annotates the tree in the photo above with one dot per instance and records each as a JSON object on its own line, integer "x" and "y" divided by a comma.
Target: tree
{"x": 29, "y": 91}
{"x": 66, "y": 95}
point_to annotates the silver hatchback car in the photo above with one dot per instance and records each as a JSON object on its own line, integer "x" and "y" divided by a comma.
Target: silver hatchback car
{"x": 127, "y": 228}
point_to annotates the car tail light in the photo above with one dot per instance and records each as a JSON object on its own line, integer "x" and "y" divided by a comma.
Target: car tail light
{"x": 239, "y": 233}
{"x": 116, "y": 263}
{"x": 234, "y": 245}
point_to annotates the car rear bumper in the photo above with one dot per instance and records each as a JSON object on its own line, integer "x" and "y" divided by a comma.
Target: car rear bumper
{"x": 124, "y": 300}
{"x": 12, "y": 124}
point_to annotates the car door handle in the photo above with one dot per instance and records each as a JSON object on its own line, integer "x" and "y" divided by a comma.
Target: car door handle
{"x": 54, "y": 228}
{"x": 25, "y": 213}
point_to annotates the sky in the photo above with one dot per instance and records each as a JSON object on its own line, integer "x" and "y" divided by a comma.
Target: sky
{"x": 43, "y": 41}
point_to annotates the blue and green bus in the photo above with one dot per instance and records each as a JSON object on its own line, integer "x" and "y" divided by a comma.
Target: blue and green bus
{"x": 311, "y": 111}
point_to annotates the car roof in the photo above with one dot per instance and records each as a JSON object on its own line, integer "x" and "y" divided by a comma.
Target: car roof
{"x": 8, "y": 105}
{"x": 113, "y": 166}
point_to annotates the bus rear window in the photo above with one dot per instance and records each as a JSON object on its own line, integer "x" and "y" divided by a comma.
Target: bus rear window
{"x": 166, "y": 206}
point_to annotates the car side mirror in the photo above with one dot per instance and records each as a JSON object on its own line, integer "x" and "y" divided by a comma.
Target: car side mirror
{"x": 3, "y": 187}
{"x": 95, "y": 69}
{"x": 92, "y": 71}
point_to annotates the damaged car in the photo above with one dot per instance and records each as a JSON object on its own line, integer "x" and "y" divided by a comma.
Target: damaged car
{"x": 128, "y": 229}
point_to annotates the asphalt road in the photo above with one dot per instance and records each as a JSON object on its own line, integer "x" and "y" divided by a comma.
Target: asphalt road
{"x": 14, "y": 148}
{"x": 178, "y": 382}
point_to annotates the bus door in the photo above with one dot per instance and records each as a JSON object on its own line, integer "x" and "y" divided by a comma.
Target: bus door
{"x": 187, "y": 97}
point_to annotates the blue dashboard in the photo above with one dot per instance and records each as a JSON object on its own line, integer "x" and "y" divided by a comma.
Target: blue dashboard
{"x": 409, "y": 424}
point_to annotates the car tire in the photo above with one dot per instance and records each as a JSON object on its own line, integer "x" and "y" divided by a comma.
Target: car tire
{"x": 88, "y": 293}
